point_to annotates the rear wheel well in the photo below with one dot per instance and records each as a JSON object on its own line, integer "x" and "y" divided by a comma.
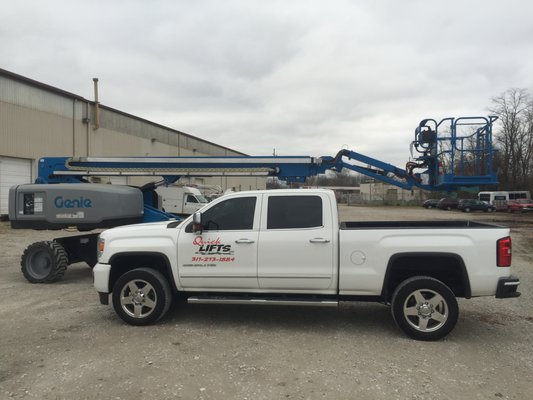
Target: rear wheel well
{"x": 122, "y": 263}
{"x": 447, "y": 268}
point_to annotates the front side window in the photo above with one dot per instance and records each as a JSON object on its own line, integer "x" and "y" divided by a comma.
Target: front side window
{"x": 231, "y": 214}
{"x": 191, "y": 199}
{"x": 286, "y": 212}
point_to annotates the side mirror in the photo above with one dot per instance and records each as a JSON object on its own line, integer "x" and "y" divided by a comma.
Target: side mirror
{"x": 197, "y": 218}
{"x": 197, "y": 222}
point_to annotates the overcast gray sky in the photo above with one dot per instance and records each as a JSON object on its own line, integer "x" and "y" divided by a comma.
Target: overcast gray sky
{"x": 303, "y": 77}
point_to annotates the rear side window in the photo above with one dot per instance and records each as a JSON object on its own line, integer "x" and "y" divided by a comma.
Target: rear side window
{"x": 285, "y": 212}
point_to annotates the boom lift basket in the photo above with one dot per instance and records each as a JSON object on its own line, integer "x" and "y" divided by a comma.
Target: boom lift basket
{"x": 456, "y": 152}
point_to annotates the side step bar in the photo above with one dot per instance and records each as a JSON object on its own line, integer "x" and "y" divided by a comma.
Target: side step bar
{"x": 262, "y": 301}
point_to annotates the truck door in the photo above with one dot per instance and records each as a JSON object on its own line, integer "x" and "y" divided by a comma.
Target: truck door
{"x": 224, "y": 256}
{"x": 296, "y": 243}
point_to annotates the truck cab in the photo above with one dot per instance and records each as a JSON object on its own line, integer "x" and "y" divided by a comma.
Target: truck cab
{"x": 292, "y": 249}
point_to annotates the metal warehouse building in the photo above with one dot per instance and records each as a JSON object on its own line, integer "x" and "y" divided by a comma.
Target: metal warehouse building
{"x": 38, "y": 120}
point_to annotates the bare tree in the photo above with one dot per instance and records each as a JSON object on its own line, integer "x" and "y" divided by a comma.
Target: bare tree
{"x": 515, "y": 138}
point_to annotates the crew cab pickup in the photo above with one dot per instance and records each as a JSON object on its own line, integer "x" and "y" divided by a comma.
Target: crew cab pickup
{"x": 287, "y": 247}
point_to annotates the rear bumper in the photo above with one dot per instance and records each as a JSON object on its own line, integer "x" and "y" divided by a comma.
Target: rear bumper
{"x": 507, "y": 287}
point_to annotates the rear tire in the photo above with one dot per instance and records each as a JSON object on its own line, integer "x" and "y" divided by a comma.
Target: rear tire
{"x": 424, "y": 308}
{"x": 44, "y": 262}
{"x": 142, "y": 296}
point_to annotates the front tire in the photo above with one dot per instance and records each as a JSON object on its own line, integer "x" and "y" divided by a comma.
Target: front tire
{"x": 44, "y": 262}
{"x": 142, "y": 296}
{"x": 424, "y": 308}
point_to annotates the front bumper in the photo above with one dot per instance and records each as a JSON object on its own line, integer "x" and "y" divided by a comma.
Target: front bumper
{"x": 101, "y": 277}
{"x": 507, "y": 287}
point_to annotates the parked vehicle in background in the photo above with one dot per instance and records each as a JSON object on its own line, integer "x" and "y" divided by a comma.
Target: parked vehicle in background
{"x": 181, "y": 199}
{"x": 468, "y": 205}
{"x": 430, "y": 203}
{"x": 448, "y": 203}
{"x": 499, "y": 199}
{"x": 520, "y": 205}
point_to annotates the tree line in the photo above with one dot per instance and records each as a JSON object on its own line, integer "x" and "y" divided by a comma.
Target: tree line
{"x": 513, "y": 136}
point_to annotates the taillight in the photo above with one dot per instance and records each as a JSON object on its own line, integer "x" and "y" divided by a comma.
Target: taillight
{"x": 504, "y": 253}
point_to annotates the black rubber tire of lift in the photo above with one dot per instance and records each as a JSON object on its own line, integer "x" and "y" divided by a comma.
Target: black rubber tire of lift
{"x": 44, "y": 262}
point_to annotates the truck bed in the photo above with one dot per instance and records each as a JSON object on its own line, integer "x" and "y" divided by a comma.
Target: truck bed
{"x": 414, "y": 224}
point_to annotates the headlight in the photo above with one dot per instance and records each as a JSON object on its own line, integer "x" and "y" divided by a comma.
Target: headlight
{"x": 100, "y": 247}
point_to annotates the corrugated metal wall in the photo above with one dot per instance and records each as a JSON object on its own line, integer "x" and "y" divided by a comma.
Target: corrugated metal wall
{"x": 38, "y": 121}
{"x": 29, "y": 97}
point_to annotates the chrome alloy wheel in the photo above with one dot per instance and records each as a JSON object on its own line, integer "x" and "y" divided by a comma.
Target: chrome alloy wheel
{"x": 138, "y": 298}
{"x": 425, "y": 310}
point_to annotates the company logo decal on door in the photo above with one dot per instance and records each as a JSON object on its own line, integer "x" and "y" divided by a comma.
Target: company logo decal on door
{"x": 211, "y": 246}
{"x": 211, "y": 251}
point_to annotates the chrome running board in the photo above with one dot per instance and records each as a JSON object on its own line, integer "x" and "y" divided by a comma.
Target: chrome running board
{"x": 262, "y": 301}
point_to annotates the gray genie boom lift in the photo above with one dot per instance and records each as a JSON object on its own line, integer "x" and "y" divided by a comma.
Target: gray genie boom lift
{"x": 452, "y": 153}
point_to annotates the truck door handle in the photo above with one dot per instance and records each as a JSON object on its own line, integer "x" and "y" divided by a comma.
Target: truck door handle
{"x": 319, "y": 240}
{"x": 248, "y": 241}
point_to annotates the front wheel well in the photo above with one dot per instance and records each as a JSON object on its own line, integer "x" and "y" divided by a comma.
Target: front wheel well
{"x": 447, "y": 268}
{"x": 124, "y": 262}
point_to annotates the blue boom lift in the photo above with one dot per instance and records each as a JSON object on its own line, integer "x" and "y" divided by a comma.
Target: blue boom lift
{"x": 451, "y": 153}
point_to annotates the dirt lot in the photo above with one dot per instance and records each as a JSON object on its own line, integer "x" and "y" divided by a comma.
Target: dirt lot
{"x": 58, "y": 342}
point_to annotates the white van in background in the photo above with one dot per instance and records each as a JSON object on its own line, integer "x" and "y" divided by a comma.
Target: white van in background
{"x": 181, "y": 199}
{"x": 499, "y": 199}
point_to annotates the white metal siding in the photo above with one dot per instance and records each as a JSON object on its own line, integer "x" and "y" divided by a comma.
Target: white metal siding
{"x": 118, "y": 180}
{"x": 29, "y": 97}
{"x": 13, "y": 171}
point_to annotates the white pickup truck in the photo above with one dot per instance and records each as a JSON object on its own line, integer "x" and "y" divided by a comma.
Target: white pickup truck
{"x": 287, "y": 247}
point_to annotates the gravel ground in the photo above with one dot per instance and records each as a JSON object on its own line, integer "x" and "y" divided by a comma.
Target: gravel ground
{"x": 58, "y": 342}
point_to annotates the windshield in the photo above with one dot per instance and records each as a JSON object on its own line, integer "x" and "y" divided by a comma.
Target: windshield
{"x": 201, "y": 199}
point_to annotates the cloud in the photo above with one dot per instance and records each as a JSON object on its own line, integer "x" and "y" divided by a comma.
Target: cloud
{"x": 303, "y": 77}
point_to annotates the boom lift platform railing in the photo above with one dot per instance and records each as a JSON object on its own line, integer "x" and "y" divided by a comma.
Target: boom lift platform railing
{"x": 456, "y": 152}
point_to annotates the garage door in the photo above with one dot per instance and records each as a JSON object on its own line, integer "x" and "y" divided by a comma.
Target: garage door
{"x": 13, "y": 171}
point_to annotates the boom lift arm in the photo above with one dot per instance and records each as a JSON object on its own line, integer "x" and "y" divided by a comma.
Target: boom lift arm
{"x": 449, "y": 156}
